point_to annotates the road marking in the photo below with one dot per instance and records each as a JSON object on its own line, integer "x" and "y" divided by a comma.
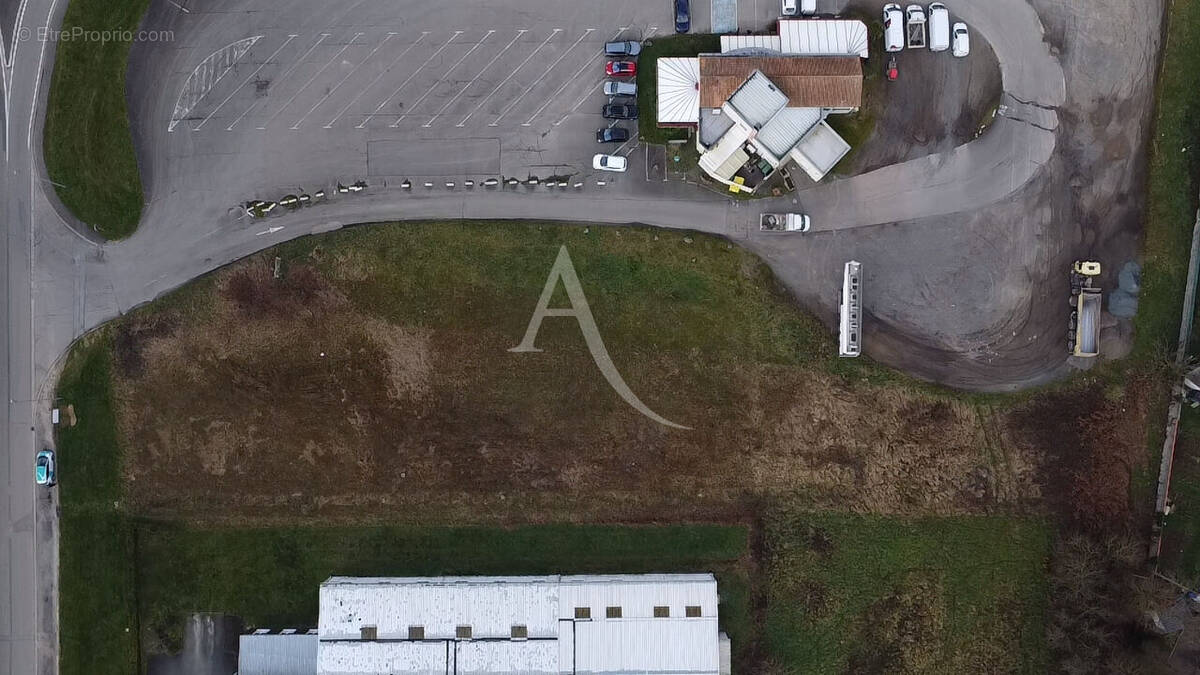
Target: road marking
{"x": 37, "y": 84}
{"x": 342, "y": 81}
{"x": 580, "y": 72}
{"x": 244, "y": 82}
{"x": 556, "y": 31}
{"x": 311, "y": 79}
{"x": 269, "y": 230}
{"x": 407, "y": 80}
{"x": 281, "y": 78}
{"x": 329, "y": 124}
{"x": 481, "y": 72}
{"x": 541, "y": 77}
{"x": 443, "y": 77}
{"x": 183, "y": 9}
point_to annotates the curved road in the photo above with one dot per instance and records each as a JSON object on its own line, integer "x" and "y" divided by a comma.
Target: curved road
{"x": 59, "y": 284}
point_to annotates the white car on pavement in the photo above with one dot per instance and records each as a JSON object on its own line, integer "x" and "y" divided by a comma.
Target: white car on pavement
{"x": 962, "y": 40}
{"x": 893, "y": 28}
{"x": 609, "y": 163}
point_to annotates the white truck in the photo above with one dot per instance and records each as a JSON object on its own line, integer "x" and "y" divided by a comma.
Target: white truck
{"x": 915, "y": 20}
{"x": 784, "y": 222}
{"x": 1084, "y": 331}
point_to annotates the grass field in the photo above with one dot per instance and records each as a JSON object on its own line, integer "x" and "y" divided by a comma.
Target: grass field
{"x": 373, "y": 380}
{"x": 647, "y": 79}
{"x": 380, "y": 363}
{"x": 867, "y": 594}
{"x": 88, "y": 144}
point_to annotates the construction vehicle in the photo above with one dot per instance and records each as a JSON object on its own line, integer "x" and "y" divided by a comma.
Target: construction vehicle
{"x": 1083, "y": 335}
{"x": 784, "y": 222}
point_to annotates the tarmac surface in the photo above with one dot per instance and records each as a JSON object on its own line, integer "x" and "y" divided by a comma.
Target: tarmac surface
{"x": 965, "y": 250}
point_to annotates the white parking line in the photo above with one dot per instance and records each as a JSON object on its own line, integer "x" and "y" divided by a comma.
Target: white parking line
{"x": 556, "y": 31}
{"x": 310, "y": 80}
{"x": 541, "y": 77}
{"x": 392, "y": 95}
{"x": 574, "y": 77}
{"x": 329, "y": 124}
{"x": 281, "y": 78}
{"x": 599, "y": 83}
{"x": 481, "y": 72}
{"x": 342, "y": 81}
{"x": 443, "y": 77}
{"x": 244, "y": 82}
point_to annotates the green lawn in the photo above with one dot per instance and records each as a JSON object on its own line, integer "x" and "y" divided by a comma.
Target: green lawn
{"x": 88, "y": 144}
{"x": 97, "y": 588}
{"x": 647, "y": 79}
{"x": 935, "y": 595}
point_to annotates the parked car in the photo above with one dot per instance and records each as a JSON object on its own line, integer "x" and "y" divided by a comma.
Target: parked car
{"x": 893, "y": 27}
{"x": 962, "y": 40}
{"x": 683, "y": 16}
{"x": 621, "y": 68}
{"x": 43, "y": 471}
{"x": 609, "y": 163}
{"x": 939, "y": 27}
{"x": 790, "y": 8}
{"x": 614, "y": 88}
{"x": 620, "y": 111}
{"x": 623, "y": 48}
{"x": 612, "y": 135}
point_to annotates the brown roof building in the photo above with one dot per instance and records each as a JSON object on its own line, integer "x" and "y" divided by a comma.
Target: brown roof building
{"x": 808, "y": 82}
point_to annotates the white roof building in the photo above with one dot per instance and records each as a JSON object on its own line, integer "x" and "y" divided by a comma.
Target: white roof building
{"x": 806, "y": 37}
{"x": 552, "y": 625}
{"x": 678, "y": 91}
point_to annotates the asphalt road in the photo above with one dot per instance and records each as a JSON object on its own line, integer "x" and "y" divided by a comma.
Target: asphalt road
{"x": 951, "y": 295}
{"x": 28, "y": 526}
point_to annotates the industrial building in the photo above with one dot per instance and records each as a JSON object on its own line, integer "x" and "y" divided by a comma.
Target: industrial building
{"x": 546, "y": 625}
{"x": 763, "y": 100}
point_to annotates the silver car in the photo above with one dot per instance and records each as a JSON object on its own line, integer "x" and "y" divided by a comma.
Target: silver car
{"x": 612, "y": 88}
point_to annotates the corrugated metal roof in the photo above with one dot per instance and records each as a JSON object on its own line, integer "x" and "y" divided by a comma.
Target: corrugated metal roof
{"x": 786, "y": 129}
{"x": 678, "y": 90}
{"x": 731, "y": 43}
{"x": 277, "y": 654}
{"x": 823, "y": 37}
{"x": 636, "y": 641}
{"x": 757, "y": 100}
{"x": 727, "y": 156}
{"x": 808, "y": 82}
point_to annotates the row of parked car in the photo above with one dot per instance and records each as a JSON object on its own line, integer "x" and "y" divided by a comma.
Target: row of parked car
{"x": 621, "y": 96}
{"x": 908, "y": 28}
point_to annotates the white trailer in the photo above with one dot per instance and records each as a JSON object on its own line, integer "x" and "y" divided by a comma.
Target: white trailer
{"x": 850, "y": 311}
{"x": 783, "y": 222}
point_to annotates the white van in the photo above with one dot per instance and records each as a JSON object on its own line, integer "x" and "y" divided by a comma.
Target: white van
{"x": 893, "y": 28}
{"x": 939, "y": 27}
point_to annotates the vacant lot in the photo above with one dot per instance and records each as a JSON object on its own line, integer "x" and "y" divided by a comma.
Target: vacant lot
{"x": 371, "y": 382}
{"x": 373, "y": 379}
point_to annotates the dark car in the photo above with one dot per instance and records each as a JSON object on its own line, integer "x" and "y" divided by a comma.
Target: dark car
{"x": 683, "y": 16}
{"x": 620, "y": 111}
{"x": 612, "y": 135}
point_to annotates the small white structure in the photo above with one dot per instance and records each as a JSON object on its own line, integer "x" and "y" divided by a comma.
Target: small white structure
{"x": 678, "y": 91}
{"x": 552, "y": 625}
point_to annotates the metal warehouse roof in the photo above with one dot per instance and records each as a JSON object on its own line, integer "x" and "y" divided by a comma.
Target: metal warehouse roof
{"x": 757, "y": 100}
{"x": 547, "y": 607}
{"x": 678, "y": 90}
{"x": 822, "y": 37}
{"x": 808, "y": 82}
{"x": 277, "y": 654}
{"x": 731, "y": 43}
{"x": 820, "y": 150}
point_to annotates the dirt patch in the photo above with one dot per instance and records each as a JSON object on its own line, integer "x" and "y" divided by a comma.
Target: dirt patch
{"x": 903, "y": 632}
{"x": 287, "y": 400}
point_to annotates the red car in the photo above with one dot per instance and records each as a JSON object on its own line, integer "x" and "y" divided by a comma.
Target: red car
{"x": 621, "y": 68}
